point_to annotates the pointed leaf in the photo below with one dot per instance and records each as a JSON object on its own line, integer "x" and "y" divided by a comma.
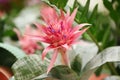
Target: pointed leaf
{"x": 108, "y": 5}
{"x": 59, "y": 3}
{"x": 86, "y": 8}
{"x": 60, "y": 72}
{"x": 76, "y": 65}
{"x": 63, "y": 73}
{"x": 76, "y": 4}
{"x": 106, "y": 36}
{"x": 111, "y": 54}
{"x": 113, "y": 13}
{"x": 6, "y": 58}
{"x": 83, "y": 17}
{"x": 13, "y": 50}
{"x": 84, "y": 49}
{"x": 29, "y": 67}
{"x": 9, "y": 54}
{"x": 93, "y": 14}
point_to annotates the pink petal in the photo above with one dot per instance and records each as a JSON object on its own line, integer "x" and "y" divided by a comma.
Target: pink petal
{"x": 45, "y": 51}
{"x": 78, "y": 34}
{"x": 73, "y": 15}
{"x": 65, "y": 58}
{"x": 35, "y": 37}
{"x": 62, "y": 16}
{"x": 71, "y": 18}
{"x": 28, "y": 29}
{"x": 68, "y": 14}
{"x": 54, "y": 56}
{"x": 65, "y": 46}
{"x": 80, "y": 26}
{"x": 39, "y": 26}
{"x": 49, "y": 14}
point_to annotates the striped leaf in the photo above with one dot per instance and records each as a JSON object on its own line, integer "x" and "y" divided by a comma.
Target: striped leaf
{"x": 29, "y": 67}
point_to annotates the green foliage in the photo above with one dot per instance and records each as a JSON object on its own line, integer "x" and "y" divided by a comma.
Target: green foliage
{"x": 85, "y": 10}
{"x": 32, "y": 67}
{"x": 99, "y": 24}
{"x": 101, "y": 31}
{"x": 59, "y": 3}
{"x": 13, "y": 50}
{"x": 65, "y": 73}
{"x": 7, "y": 25}
{"x": 1, "y": 29}
{"x": 28, "y": 67}
{"x": 93, "y": 14}
{"x": 9, "y": 13}
{"x": 9, "y": 54}
{"x": 76, "y": 64}
{"x": 100, "y": 59}
{"x": 62, "y": 72}
{"x": 6, "y": 58}
{"x": 114, "y": 12}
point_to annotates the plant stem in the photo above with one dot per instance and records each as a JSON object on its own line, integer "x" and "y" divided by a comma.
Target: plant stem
{"x": 111, "y": 67}
{"x": 93, "y": 38}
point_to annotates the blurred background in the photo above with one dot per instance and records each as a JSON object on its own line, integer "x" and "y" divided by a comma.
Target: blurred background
{"x": 104, "y": 15}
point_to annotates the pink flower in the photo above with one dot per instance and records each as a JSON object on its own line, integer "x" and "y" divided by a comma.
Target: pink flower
{"x": 59, "y": 33}
{"x": 26, "y": 43}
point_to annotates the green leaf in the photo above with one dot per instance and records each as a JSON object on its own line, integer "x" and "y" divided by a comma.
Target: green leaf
{"x": 76, "y": 4}
{"x": 117, "y": 64}
{"x": 9, "y": 32}
{"x": 76, "y": 65}
{"x": 111, "y": 54}
{"x": 62, "y": 72}
{"x": 13, "y": 50}
{"x": 29, "y": 67}
{"x": 114, "y": 15}
{"x": 6, "y": 58}
{"x": 83, "y": 17}
{"x": 93, "y": 14}
{"x": 77, "y": 19}
{"x": 98, "y": 71}
{"x": 59, "y": 3}
{"x": 108, "y": 5}
{"x": 1, "y": 29}
{"x": 106, "y": 36}
{"x": 84, "y": 50}
{"x": 86, "y": 8}
{"x": 44, "y": 76}
{"x": 112, "y": 78}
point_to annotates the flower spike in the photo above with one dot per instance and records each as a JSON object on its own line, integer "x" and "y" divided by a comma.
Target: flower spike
{"x": 59, "y": 33}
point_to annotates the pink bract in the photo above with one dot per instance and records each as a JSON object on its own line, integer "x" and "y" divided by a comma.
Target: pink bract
{"x": 58, "y": 32}
{"x": 26, "y": 43}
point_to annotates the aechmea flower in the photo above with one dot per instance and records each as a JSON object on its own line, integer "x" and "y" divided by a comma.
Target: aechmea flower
{"x": 26, "y": 43}
{"x": 59, "y": 33}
